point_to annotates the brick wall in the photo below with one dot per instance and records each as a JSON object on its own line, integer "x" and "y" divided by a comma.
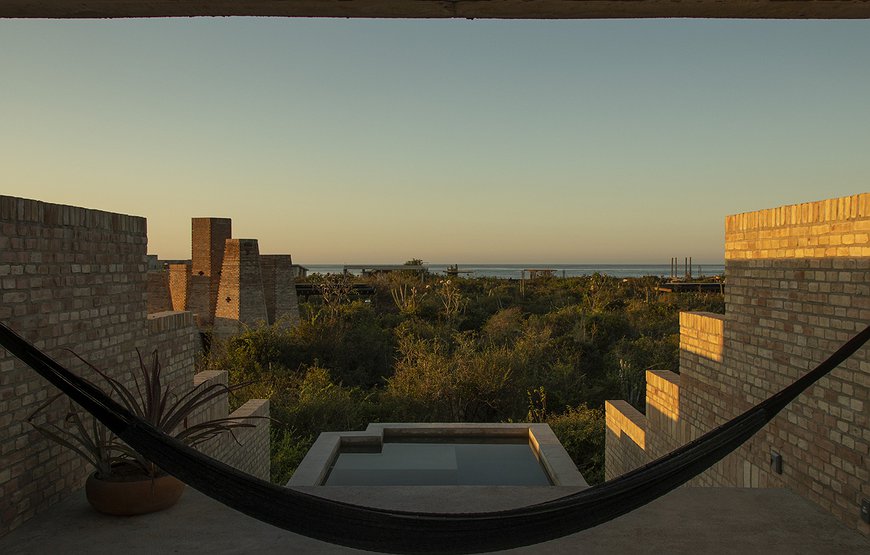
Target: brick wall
{"x": 797, "y": 286}
{"x": 279, "y": 288}
{"x": 198, "y": 299}
{"x": 71, "y": 278}
{"x": 662, "y": 412}
{"x": 246, "y": 448}
{"x": 625, "y": 446}
{"x": 174, "y": 336}
{"x": 75, "y": 278}
{"x": 249, "y": 449}
{"x": 175, "y": 340}
{"x": 179, "y": 282}
{"x": 158, "y": 296}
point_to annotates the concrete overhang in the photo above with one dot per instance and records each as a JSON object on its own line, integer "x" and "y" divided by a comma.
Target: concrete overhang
{"x": 470, "y": 9}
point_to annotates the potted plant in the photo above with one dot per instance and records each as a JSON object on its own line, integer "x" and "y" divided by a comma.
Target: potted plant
{"x": 124, "y": 482}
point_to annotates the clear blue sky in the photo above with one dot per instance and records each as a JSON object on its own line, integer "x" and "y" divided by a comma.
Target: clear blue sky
{"x": 452, "y": 141}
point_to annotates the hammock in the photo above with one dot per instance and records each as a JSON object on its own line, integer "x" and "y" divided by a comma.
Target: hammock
{"x": 387, "y": 530}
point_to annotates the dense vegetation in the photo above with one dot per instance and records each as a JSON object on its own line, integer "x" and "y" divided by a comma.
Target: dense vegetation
{"x": 448, "y": 350}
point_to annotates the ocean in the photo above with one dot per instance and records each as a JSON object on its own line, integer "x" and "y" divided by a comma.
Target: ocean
{"x": 568, "y": 270}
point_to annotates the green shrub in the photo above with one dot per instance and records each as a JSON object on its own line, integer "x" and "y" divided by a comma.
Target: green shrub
{"x": 581, "y": 432}
{"x": 287, "y": 451}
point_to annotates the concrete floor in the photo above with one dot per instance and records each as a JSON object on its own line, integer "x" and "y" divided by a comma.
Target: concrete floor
{"x": 688, "y": 520}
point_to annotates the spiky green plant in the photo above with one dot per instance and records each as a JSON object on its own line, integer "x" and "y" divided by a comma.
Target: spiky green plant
{"x": 149, "y": 399}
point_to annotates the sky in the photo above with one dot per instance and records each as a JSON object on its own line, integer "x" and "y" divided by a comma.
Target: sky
{"x": 377, "y": 141}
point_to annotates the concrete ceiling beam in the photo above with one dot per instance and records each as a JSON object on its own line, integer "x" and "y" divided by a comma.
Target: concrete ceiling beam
{"x": 424, "y": 9}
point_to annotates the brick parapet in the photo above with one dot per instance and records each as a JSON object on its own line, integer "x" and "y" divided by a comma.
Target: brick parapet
{"x": 213, "y": 411}
{"x": 246, "y": 448}
{"x": 830, "y": 228}
{"x": 625, "y": 438}
{"x": 22, "y": 211}
{"x": 249, "y": 450}
{"x": 624, "y": 419}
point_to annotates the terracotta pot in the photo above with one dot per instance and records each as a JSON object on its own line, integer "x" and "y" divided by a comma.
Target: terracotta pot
{"x": 133, "y": 497}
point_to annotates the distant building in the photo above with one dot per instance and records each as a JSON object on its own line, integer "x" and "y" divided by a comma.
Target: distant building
{"x": 535, "y": 273}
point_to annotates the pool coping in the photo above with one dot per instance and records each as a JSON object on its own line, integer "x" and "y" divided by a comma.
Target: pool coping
{"x": 561, "y": 469}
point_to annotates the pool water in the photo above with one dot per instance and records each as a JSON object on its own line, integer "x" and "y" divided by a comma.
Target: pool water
{"x": 417, "y": 461}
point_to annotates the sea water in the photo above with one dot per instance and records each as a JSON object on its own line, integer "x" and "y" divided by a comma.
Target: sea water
{"x": 514, "y": 271}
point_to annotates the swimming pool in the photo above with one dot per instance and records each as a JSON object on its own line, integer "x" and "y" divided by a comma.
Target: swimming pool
{"x": 436, "y": 454}
{"x": 460, "y": 461}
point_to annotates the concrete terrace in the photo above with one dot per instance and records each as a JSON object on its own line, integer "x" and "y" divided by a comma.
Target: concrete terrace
{"x": 686, "y": 521}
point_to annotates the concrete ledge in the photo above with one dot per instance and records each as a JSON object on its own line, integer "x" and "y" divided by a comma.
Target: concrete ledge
{"x": 253, "y": 407}
{"x": 217, "y": 376}
{"x": 169, "y": 320}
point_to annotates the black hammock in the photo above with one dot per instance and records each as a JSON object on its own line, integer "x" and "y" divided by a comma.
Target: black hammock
{"x": 416, "y": 532}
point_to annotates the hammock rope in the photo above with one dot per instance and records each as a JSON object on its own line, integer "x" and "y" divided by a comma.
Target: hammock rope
{"x": 394, "y": 531}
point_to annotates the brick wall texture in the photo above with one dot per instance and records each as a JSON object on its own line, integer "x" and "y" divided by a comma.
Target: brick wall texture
{"x": 179, "y": 282}
{"x": 158, "y": 292}
{"x": 208, "y": 237}
{"x": 279, "y": 289}
{"x": 241, "y": 299}
{"x": 73, "y": 278}
{"x": 797, "y": 287}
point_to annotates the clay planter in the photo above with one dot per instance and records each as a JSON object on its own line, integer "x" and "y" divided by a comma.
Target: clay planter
{"x": 133, "y": 496}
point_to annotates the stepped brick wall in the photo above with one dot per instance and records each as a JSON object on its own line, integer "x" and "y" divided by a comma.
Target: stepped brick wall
{"x": 625, "y": 445}
{"x": 74, "y": 278}
{"x": 797, "y": 286}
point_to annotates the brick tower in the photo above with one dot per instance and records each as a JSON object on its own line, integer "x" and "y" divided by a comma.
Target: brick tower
{"x": 240, "y": 297}
{"x": 279, "y": 288}
{"x": 208, "y": 239}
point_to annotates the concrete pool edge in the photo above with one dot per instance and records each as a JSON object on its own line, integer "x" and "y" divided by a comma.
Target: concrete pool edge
{"x": 553, "y": 457}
